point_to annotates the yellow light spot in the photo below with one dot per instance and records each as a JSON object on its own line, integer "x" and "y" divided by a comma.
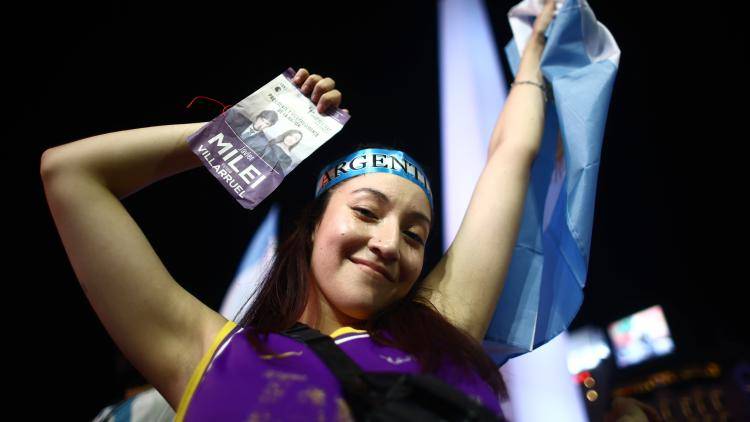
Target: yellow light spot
{"x": 280, "y": 355}
{"x": 592, "y": 395}
{"x": 344, "y": 413}
{"x": 272, "y": 393}
{"x": 314, "y": 395}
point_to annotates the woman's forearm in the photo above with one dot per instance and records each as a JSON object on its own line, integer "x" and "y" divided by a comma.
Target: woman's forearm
{"x": 521, "y": 121}
{"x": 128, "y": 160}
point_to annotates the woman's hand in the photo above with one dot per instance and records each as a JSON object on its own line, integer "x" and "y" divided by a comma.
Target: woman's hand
{"x": 320, "y": 90}
{"x": 543, "y": 20}
{"x": 529, "y": 69}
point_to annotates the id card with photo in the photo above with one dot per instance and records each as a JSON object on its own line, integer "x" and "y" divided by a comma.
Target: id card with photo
{"x": 252, "y": 146}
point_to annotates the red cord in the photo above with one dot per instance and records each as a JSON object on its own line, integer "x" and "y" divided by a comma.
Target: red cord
{"x": 225, "y": 106}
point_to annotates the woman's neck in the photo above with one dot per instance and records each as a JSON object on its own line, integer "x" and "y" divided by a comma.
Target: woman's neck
{"x": 319, "y": 314}
{"x": 285, "y": 148}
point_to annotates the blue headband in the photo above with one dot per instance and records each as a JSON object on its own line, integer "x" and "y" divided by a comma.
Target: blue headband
{"x": 373, "y": 160}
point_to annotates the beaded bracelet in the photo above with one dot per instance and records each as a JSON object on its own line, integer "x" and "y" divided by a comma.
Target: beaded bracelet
{"x": 542, "y": 87}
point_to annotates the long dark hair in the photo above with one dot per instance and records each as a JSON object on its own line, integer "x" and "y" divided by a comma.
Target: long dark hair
{"x": 412, "y": 324}
{"x": 282, "y": 138}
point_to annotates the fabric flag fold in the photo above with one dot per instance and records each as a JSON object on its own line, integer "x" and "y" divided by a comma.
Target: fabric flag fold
{"x": 254, "y": 265}
{"x": 544, "y": 287}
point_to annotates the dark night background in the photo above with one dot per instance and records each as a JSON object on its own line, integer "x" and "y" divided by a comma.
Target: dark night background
{"x": 667, "y": 229}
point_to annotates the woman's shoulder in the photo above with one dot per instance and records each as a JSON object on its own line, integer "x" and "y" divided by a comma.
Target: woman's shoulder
{"x": 215, "y": 341}
{"x": 225, "y": 328}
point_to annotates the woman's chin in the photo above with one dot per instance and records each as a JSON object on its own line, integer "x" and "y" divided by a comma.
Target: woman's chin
{"x": 360, "y": 308}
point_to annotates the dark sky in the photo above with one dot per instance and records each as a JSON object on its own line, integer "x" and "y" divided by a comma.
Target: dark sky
{"x": 667, "y": 226}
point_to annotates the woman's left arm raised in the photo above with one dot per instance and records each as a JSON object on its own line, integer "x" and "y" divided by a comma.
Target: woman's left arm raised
{"x": 466, "y": 284}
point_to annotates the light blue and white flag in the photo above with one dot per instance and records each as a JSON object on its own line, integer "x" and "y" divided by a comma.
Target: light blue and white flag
{"x": 254, "y": 265}
{"x": 544, "y": 287}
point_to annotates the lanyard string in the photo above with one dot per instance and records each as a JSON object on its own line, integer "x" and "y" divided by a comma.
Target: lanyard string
{"x": 201, "y": 97}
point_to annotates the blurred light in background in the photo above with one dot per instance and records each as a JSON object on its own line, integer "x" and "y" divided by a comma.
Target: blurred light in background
{"x": 587, "y": 348}
{"x": 640, "y": 337}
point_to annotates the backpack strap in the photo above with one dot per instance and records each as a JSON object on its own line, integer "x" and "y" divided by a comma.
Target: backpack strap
{"x": 349, "y": 374}
{"x": 337, "y": 361}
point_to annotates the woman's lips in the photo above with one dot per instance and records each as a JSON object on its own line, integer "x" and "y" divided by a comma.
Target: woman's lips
{"x": 371, "y": 268}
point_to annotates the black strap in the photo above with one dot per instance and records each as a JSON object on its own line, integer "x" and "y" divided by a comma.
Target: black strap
{"x": 394, "y": 396}
{"x": 347, "y": 371}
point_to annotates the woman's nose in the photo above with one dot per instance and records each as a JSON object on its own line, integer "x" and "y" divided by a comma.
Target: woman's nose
{"x": 385, "y": 240}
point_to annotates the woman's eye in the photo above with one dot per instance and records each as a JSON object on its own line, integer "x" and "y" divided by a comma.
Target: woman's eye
{"x": 370, "y": 214}
{"x": 415, "y": 237}
{"x": 365, "y": 212}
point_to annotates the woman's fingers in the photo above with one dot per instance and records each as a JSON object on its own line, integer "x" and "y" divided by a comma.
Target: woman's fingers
{"x": 300, "y": 76}
{"x": 329, "y": 99}
{"x": 309, "y": 84}
{"x": 544, "y": 18}
{"x": 321, "y": 88}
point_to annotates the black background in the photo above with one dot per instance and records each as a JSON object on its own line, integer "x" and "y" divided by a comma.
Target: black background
{"x": 668, "y": 220}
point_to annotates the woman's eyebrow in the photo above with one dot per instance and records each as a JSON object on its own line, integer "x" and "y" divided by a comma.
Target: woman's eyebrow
{"x": 381, "y": 197}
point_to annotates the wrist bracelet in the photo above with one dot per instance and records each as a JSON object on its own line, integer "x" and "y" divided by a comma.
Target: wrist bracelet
{"x": 542, "y": 87}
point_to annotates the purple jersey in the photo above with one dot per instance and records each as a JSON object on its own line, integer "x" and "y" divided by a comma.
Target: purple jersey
{"x": 233, "y": 382}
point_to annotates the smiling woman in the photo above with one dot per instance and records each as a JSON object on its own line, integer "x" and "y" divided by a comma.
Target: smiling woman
{"x": 350, "y": 269}
{"x": 353, "y": 262}
{"x": 382, "y": 236}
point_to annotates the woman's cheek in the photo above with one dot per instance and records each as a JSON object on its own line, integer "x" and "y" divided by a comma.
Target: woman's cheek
{"x": 353, "y": 227}
{"x": 413, "y": 270}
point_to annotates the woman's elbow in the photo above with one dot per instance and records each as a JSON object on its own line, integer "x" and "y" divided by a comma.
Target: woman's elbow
{"x": 49, "y": 163}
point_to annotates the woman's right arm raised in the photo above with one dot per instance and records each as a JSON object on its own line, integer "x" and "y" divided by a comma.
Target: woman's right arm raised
{"x": 160, "y": 327}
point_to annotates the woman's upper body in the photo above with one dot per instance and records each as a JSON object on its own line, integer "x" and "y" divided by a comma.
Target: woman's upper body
{"x": 234, "y": 382}
{"x": 164, "y": 331}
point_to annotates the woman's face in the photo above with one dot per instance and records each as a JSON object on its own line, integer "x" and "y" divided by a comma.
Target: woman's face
{"x": 261, "y": 123}
{"x": 360, "y": 226}
{"x": 292, "y": 139}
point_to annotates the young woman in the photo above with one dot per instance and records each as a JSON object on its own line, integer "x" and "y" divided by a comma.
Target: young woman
{"x": 350, "y": 270}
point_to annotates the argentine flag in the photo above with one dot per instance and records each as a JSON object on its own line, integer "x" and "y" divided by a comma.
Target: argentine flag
{"x": 544, "y": 287}
{"x": 240, "y": 294}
